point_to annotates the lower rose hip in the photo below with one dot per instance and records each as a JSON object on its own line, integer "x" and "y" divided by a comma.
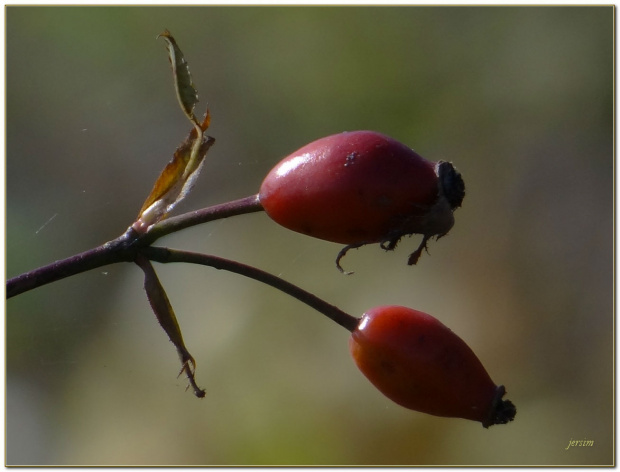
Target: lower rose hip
{"x": 419, "y": 363}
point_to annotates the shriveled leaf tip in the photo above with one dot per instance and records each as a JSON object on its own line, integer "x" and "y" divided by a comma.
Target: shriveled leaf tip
{"x": 165, "y": 33}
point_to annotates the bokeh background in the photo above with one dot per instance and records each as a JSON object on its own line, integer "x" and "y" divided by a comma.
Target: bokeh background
{"x": 519, "y": 98}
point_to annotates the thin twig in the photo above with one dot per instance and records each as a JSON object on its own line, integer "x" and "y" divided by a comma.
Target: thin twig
{"x": 125, "y": 247}
{"x": 165, "y": 255}
{"x": 173, "y": 224}
{"x": 117, "y": 250}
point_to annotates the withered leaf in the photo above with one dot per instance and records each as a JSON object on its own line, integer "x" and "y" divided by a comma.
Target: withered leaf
{"x": 177, "y": 178}
{"x": 167, "y": 319}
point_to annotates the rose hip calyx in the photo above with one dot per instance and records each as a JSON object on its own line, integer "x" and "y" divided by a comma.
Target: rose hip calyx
{"x": 437, "y": 221}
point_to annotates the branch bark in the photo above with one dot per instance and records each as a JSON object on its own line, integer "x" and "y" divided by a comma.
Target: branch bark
{"x": 125, "y": 247}
{"x": 117, "y": 250}
{"x": 165, "y": 255}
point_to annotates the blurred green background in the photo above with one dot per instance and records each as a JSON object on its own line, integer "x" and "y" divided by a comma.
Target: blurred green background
{"x": 519, "y": 98}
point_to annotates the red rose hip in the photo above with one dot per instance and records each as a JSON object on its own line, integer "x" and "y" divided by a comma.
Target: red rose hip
{"x": 362, "y": 187}
{"x": 419, "y": 363}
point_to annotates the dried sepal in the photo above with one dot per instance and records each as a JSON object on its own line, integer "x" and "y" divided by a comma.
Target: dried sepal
{"x": 167, "y": 319}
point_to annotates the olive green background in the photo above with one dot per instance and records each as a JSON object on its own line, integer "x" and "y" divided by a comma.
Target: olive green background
{"x": 520, "y": 99}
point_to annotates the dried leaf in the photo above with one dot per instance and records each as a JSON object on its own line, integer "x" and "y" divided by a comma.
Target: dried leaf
{"x": 177, "y": 178}
{"x": 186, "y": 93}
{"x": 167, "y": 319}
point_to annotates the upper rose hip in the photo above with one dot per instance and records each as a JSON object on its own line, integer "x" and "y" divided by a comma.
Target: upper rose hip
{"x": 362, "y": 187}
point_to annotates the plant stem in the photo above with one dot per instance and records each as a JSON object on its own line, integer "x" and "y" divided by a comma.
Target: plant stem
{"x": 125, "y": 247}
{"x": 165, "y": 255}
{"x": 173, "y": 224}
{"x": 111, "y": 252}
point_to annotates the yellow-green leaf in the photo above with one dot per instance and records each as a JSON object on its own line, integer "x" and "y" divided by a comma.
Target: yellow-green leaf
{"x": 186, "y": 93}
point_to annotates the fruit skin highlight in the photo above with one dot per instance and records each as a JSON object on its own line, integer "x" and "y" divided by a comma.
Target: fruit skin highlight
{"x": 419, "y": 363}
{"x": 362, "y": 187}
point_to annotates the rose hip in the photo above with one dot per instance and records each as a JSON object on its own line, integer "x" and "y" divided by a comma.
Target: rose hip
{"x": 419, "y": 363}
{"x": 362, "y": 187}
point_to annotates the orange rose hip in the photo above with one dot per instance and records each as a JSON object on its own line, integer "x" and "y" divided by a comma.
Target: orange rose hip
{"x": 419, "y": 363}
